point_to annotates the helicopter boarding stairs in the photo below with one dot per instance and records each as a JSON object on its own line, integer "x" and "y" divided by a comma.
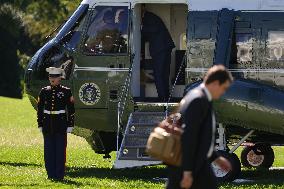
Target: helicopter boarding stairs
{"x": 132, "y": 149}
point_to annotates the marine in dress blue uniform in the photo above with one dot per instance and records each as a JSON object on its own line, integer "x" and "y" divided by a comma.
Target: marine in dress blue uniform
{"x": 55, "y": 117}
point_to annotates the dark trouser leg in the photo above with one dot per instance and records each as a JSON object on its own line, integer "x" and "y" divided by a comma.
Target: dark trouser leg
{"x": 49, "y": 155}
{"x": 162, "y": 63}
{"x": 60, "y": 155}
{"x": 174, "y": 177}
{"x": 205, "y": 178}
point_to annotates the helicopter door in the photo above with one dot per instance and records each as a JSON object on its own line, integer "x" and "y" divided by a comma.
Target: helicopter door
{"x": 103, "y": 63}
{"x": 224, "y": 37}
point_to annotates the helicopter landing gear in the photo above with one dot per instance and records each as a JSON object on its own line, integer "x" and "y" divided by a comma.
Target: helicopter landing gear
{"x": 103, "y": 142}
{"x": 260, "y": 155}
{"x": 228, "y": 154}
{"x": 228, "y": 175}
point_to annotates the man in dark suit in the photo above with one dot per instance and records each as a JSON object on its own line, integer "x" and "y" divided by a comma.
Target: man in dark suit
{"x": 198, "y": 138}
{"x": 161, "y": 44}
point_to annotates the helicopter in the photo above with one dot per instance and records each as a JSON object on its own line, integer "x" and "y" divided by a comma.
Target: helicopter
{"x": 116, "y": 101}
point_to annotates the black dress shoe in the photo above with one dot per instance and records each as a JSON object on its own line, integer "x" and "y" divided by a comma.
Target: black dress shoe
{"x": 58, "y": 179}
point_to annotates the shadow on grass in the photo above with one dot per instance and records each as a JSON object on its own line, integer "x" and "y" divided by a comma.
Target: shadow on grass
{"x": 253, "y": 177}
{"x": 260, "y": 177}
{"x": 67, "y": 181}
{"x": 144, "y": 173}
{"x": 40, "y": 185}
{"x": 19, "y": 164}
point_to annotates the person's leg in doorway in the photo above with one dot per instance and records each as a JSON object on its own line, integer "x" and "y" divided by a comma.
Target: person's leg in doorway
{"x": 161, "y": 65}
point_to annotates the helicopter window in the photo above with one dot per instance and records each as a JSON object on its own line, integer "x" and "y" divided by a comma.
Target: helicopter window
{"x": 201, "y": 30}
{"x": 54, "y": 57}
{"x": 108, "y": 31}
{"x": 71, "y": 40}
{"x": 244, "y": 48}
{"x": 72, "y": 22}
{"x": 275, "y": 45}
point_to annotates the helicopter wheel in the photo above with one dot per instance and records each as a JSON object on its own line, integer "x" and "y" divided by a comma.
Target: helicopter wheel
{"x": 260, "y": 155}
{"x": 222, "y": 175}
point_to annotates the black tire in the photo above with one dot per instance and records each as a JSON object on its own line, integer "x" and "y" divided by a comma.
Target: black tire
{"x": 236, "y": 168}
{"x": 263, "y": 156}
{"x": 244, "y": 154}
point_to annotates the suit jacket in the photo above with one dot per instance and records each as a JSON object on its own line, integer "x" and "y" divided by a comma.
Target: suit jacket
{"x": 196, "y": 112}
{"x": 156, "y": 33}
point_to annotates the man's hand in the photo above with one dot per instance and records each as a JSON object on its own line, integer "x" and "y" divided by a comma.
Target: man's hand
{"x": 69, "y": 129}
{"x": 223, "y": 163}
{"x": 187, "y": 180}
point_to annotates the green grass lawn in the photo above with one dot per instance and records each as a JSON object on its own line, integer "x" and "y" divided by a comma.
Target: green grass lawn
{"x": 22, "y": 166}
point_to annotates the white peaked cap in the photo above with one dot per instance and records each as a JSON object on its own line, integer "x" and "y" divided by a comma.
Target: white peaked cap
{"x": 53, "y": 70}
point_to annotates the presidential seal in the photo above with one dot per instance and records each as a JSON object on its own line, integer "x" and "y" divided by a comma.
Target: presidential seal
{"x": 89, "y": 93}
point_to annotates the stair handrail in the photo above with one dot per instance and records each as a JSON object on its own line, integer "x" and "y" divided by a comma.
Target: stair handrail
{"x": 122, "y": 99}
{"x": 173, "y": 87}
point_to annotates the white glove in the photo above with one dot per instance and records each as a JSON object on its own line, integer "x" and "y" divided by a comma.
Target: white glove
{"x": 69, "y": 129}
{"x": 40, "y": 129}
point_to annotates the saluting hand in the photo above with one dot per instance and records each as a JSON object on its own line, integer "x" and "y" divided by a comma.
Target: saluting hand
{"x": 187, "y": 180}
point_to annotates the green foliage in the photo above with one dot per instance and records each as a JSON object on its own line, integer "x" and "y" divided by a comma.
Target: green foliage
{"x": 43, "y": 16}
{"x": 11, "y": 19}
{"x": 12, "y": 35}
{"x": 23, "y": 27}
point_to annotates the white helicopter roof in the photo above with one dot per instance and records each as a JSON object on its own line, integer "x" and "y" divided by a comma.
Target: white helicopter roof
{"x": 250, "y": 5}
{"x": 133, "y": 2}
{"x": 203, "y": 5}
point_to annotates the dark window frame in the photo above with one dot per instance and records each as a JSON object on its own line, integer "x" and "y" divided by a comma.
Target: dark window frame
{"x": 89, "y": 22}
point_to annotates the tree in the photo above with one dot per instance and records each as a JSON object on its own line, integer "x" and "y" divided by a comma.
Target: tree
{"x": 42, "y": 16}
{"x": 23, "y": 27}
{"x": 11, "y": 32}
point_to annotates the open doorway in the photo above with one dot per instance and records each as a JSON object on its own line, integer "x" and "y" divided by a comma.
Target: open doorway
{"x": 174, "y": 17}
